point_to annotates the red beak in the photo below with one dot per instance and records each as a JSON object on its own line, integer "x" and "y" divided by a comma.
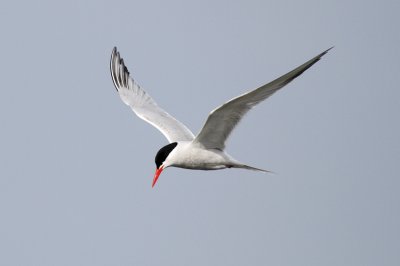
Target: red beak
{"x": 156, "y": 175}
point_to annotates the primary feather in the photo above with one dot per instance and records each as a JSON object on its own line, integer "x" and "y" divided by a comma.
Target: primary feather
{"x": 224, "y": 119}
{"x": 143, "y": 105}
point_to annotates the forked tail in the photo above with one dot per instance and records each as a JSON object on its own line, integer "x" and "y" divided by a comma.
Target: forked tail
{"x": 244, "y": 166}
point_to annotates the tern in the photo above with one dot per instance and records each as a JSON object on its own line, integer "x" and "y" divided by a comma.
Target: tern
{"x": 185, "y": 150}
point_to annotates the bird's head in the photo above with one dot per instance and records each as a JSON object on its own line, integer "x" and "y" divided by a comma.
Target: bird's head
{"x": 161, "y": 158}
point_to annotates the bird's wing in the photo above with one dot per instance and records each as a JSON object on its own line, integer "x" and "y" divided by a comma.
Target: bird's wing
{"x": 143, "y": 105}
{"x": 222, "y": 120}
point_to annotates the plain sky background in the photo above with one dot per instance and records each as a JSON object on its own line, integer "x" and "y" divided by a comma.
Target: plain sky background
{"x": 76, "y": 165}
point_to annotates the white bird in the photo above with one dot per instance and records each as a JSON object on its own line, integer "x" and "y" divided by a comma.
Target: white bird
{"x": 206, "y": 150}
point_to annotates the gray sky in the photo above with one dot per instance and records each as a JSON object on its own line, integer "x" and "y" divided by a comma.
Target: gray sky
{"x": 76, "y": 164}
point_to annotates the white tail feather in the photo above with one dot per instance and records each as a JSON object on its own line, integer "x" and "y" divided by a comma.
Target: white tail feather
{"x": 244, "y": 166}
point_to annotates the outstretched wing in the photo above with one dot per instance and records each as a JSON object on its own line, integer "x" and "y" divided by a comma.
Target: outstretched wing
{"x": 224, "y": 119}
{"x": 143, "y": 105}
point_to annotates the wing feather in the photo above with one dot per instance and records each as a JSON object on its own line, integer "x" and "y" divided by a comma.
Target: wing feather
{"x": 143, "y": 105}
{"x": 222, "y": 120}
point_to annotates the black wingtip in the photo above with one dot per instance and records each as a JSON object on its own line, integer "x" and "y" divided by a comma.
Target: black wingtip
{"x": 114, "y": 54}
{"x": 116, "y": 62}
{"x": 300, "y": 70}
{"x": 326, "y": 51}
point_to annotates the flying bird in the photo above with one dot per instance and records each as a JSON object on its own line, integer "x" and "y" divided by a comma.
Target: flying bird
{"x": 185, "y": 150}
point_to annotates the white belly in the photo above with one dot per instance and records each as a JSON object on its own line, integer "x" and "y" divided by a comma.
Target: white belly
{"x": 193, "y": 157}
